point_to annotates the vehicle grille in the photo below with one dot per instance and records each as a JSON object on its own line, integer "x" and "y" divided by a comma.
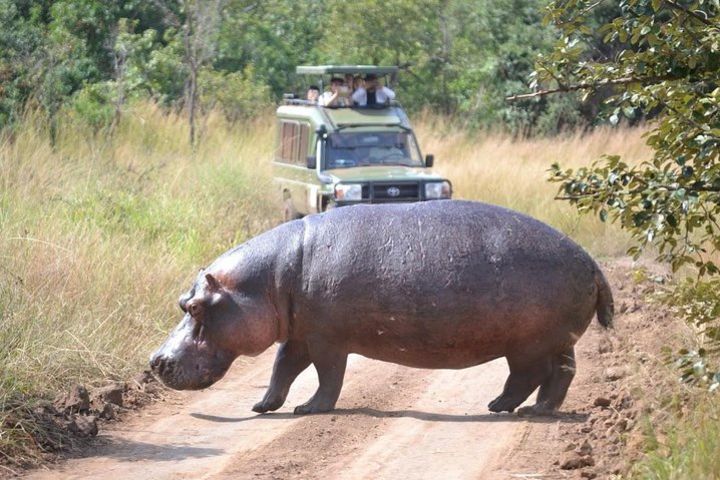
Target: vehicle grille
{"x": 392, "y": 192}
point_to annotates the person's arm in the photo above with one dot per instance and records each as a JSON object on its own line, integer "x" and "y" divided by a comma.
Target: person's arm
{"x": 328, "y": 99}
{"x": 389, "y": 93}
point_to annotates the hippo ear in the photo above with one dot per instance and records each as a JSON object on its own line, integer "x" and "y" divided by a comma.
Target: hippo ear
{"x": 213, "y": 284}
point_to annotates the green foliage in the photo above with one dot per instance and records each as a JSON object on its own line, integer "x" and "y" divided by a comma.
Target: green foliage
{"x": 21, "y": 37}
{"x": 671, "y": 67}
{"x": 94, "y": 104}
{"x": 668, "y": 66}
{"x": 696, "y": 370}
{"x": 698, "y": 302}
{"x": 457, "y": 57}
{"x": 238, "y": 95}
{"x": 272, "y": 37}
{"x": 689, "y": 450}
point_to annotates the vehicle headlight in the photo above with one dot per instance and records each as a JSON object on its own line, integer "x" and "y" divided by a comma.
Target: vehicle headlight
{"x": 348, "y": 192}
{"x": 436, "y": 190}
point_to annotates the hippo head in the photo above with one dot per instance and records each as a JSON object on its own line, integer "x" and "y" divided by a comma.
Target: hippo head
{"x": 218, "y": 326}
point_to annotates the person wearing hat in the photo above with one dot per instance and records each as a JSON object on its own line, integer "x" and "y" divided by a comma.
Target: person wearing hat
{"x": 373, "y": 93}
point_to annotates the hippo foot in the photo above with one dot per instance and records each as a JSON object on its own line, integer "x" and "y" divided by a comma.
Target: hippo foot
{"x": 308, "y": 408}
{"x": 262, "y": 407}
{"x": 536, "y": 410}
{"x": 501, "y": 404}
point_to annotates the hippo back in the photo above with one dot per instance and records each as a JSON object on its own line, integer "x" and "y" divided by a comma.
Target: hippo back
{"x": 405, "y": 270}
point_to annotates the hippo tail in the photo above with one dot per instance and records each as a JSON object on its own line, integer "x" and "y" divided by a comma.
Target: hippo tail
{"x": 605, "y": 306}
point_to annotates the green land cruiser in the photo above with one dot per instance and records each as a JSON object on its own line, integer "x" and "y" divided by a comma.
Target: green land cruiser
{"x": 327, "y": 157}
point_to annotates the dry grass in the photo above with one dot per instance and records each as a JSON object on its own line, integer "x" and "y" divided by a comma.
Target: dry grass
{"x": 100, "y": 234}
{"x": 495, "y": 168}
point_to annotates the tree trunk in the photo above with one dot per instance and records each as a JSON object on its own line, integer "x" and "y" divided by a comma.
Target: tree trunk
{"x": 192, "y": 102}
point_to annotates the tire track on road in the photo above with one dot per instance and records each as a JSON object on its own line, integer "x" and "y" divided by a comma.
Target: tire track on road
{"x": 372, "y": 393}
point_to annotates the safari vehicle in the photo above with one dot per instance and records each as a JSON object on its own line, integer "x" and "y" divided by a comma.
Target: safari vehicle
{"x": 328, "y": 157}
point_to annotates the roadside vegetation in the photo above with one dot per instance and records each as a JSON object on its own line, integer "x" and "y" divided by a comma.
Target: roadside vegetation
{"x": 100, "y": 234}
{"x": 666, "y": 63}
{"x": 685, "y": 447}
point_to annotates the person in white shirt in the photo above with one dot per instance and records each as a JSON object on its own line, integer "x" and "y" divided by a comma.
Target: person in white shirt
{"x": 338, "y": 96}
{"x": 373, "y": 93}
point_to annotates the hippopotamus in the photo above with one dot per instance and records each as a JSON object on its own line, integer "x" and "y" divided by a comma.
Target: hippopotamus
{"x": 440, "y": 284}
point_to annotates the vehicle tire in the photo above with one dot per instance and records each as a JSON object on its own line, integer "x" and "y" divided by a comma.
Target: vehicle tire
{"x": 289, "y": 212}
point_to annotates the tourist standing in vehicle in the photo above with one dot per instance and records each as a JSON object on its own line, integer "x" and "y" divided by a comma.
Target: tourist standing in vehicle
{"x": 349, "y": 83}
{"x": 373, "y": 93}
{"x": 357, "y": 83}
{"x": 338, "y": 96}
{"x": 313, "y": 94}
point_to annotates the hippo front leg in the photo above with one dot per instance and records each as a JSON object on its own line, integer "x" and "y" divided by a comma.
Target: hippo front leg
{"x": 329, "y": 361}
{"x": 292, "y": 358}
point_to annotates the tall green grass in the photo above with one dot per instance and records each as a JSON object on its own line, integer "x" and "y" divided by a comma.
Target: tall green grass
{"x": 102, "y": 231}
{"x": 688, "y": 450}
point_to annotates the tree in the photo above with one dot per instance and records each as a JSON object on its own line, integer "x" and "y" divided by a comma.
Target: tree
{"x": 672, "y": 201}
{"x": 272, "y": 37}
{"x": 198, "y": 23}
{"x": 22, "y": 34}
{"x": 669, "y": 66}
{"x": 458, "y": 57}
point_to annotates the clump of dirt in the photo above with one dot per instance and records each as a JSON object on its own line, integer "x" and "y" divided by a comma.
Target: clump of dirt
{"x": 46, "y": 429}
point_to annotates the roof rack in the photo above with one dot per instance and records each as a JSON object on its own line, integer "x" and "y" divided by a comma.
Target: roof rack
{"x": 344, "y": 69}
{"x": 299, "y": 101}
{"x": 308, "y": 103}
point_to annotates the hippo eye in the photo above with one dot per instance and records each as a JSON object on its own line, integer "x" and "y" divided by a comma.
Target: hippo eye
{"x": 193, "y": 309}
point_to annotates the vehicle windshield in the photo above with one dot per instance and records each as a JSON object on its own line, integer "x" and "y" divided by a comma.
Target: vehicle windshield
{"x": 359, "y": 149}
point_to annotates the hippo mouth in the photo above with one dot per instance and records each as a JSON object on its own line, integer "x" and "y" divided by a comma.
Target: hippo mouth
{"x": 194, "y": 374}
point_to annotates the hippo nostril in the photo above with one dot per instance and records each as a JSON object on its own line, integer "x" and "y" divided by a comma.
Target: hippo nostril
{"x": 161, "y": 366}
{"x": 155, "y": 362}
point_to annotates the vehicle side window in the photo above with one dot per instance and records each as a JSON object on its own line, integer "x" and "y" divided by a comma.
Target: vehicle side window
{"x": 293, "y": 146}
{"x": 302, "y": 144}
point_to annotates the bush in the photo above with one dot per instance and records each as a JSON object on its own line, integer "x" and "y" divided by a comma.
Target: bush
{"x": 95, "y": 104}
{"x": 238, "y": 95}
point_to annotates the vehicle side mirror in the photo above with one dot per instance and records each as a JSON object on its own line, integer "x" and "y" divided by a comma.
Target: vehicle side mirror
{"x": 429, "y": 160}
{"x": 311, "y": 162}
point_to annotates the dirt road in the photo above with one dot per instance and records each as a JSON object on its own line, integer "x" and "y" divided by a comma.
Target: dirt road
{"x": 391, "y": 422}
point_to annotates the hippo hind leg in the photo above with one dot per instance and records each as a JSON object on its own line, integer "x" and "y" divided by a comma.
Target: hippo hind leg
{"x": 553, "y": 391}
{"x": 330, "y": 362}
{"x": 525, "y": 376}
{"x": 291, "y": 359}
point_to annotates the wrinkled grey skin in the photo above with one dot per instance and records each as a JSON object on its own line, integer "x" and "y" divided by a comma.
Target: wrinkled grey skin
{"x": 441, "y": 284}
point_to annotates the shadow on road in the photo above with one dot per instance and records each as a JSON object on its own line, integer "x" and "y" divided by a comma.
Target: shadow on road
{"x": 424, "y": 416}
{"x": 131, "y": 451}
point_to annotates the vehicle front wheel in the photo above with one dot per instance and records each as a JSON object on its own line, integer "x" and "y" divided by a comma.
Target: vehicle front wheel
{"x": 289, "y": 212}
